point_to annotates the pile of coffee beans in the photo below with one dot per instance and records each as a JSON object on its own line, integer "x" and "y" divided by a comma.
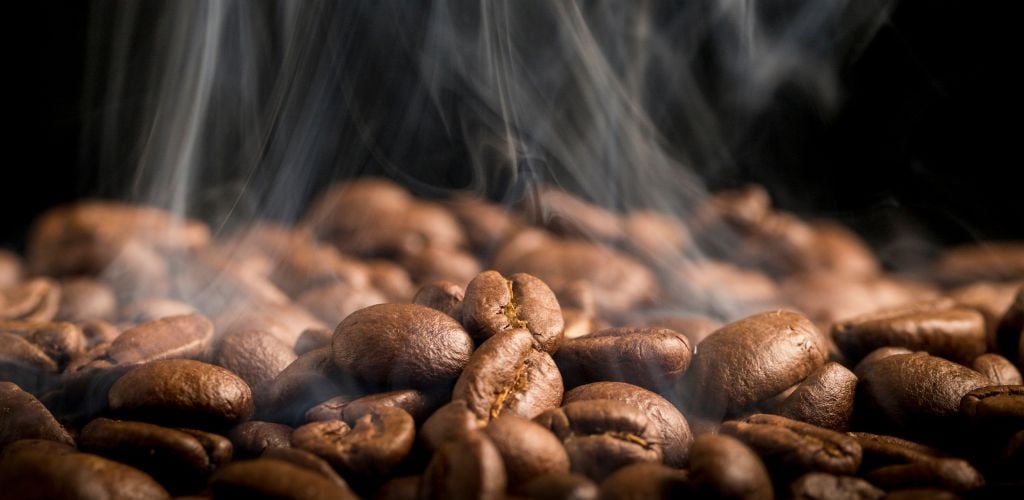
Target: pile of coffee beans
{"x": 387, "y": 346}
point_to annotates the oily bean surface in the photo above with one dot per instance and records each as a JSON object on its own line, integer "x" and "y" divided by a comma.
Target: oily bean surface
{"x": 723, "y": 467}
{"x": 825, "y": 398}
{"x": 445, "y": 296}
{"x": 370, "y": 449}
{"x": 998, "y": 369}
{"x": 255, "y": 356}
{"x": 175, "y": 337}
{"x": 652, "y": 358}
{"x": 25, "y": 364}
{"x": 252, "y": 438}
{"x": 791, "y": 445}
{"x": 494, "y": 304}
{"x": 24, "y": 417}
{"x": 527, "y": 449}
{"x": 467, "y": 467}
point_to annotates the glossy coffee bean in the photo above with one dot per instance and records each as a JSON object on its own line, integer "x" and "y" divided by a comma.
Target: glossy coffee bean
{"x": 723, "y": 467}
{"x": 995, "y": 408}
{"x": 998, "y": 369}
{"x": 417, "y": 404}
{"x": 445, "y": 296}
{"x": 252, "y": 438}
{"x": 311, "y": 379}
{"x": 508, "y": 374}
{"x": 60, "y": 341}
{"x": 175, "y": 337}
{"x": 652, "y": 358}
{"x": 892, "y": 463}
{"x": 24, "y": 417}
{"x": 84, "y": 299}
{"x": 939, "y": 328}
{"x": 494, "y": 303}
{"x": 308, "y": 461}
{"x": 272, "y": 478}
{"x": 31, "y": 469}
{"x": 182, "y": 392}
{"x": 255, "y": 356}
{"x": 401, "y": 346}
{"x": 464, "y": 468}
{"x": 561, "y": 486}
{"x": 792, "y": 446}
{"x": 825, "y": 398}
{"x": 883, "y": 352}
{"x": 25, "y": 364}
{"x": 332, "y": 409}
{"x": 672, "y": 428}
{"x": 451, "y": 421}
{"x": 645, "y": 481}
{"x": 822, "y": 486}
{"x": 769, "y": 352}
{"x": 602, "y": 435}
{"x": 527, "y": 449}
{"x": 369, "y": 450}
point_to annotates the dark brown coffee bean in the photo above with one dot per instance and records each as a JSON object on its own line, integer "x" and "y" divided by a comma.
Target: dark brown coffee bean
{"x": 509, "y": 375}
{"x": 175, "y": 337}
{"x": 998, "y": 369}
{"x": 332, "y": 409}
{"x": 25, "y": 364}
{"x": 182, "y": 392}
{"x": 45, "y": 469}
{"x": 417, "y": 404}
{"x": 311, "y": 379}
{"x": 999, "y": 407}
{"x": 272, "y": 478}
{"x": 12, "y": 269}
{"x": 313, "y": 338}
{"x": 939, "y": 328}
{"x": 930, "y": 467}
{"x": 84, "y": 299}
{"x": 672, "y": 428}
{"x": 822, "y": 486}
{"x": 303, "y": 264}
{"x": 1010, "y": 331}
{"x": 286, "y": 321}
{"x": 177, "y": 459}
{"x": 439, "y": 264}
{"x": 825, "y": 398}
{"x": 922, "y": 494}
{"x": 451, "y": 421}
{"x": 444, "y": 296}
{"x": 795, "y": 446}
{"x": 151, "y": 309}
{"x": 880, "y": 450}
{"x": 60, "y": 341}
{"x": 601, "y": 435}
{"x": 469, "y": 467}
{"x": 399, "y": 488}
{"x": 333, "y": 302}
{"x": 723, "y": 467}
{"x": 368, "y": 451}
{"x": 306, "y": 460}
{"x": 652, "y": 358}
{"x": 915, "y": 393}
{"x": 494, "y": 304}
{"x": 252, "y": 438}
{"x": 989, "y": 298}
{"x": 527, "y": 449}
{"x": 877, "y": 354}
{"x": 645, "y": 481}
{"x": 696, "y": 328}
{"x": 24, "y": 417}
{"x": 981, "y": 261}
{"x": 255, "y": 356}
{"x": 769, "y": 352}
{"x": 35, "y": 300}
{"x": 561, "y": 486}
{"x": 402, "y": 346}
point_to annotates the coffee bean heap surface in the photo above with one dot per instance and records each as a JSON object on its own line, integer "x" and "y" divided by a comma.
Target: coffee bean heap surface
{"x": 387, "y": 346}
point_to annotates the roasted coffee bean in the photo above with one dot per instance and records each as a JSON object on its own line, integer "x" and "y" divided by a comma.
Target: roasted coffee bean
{"x": 567, "y": 215}
{"x": 822, "y": 486}
{"x": 399, "y": 488}
{"x": 34, "y": 300}
{"x": 60, "y": 341}
{"x": 922, "y": 494}
{"x": 285, "y": 321}
{"x": 825, "y": 398}
{"x": 880, "y": 450}
{"x": 302, "y": 264}
{"x": 42, "y": 469}
{"x": 509, "y": 375}
{"x": 904, "y": 464}
{"x": 579, "y": 323}
{"x": 25, "y": 364}
{"x": 750, "y": 289}
{"x": 561, "y": 486}
{"x": 306, "y": 460}
{"x": 333, "y": 302}
{"x": 655, "y": 236}
{"x": 486, "y": 224}
{"x": 84, "y": 299}
{"x": 182, "y": 392}
{"x": 370, "y": 450}
{"x": 272, "y": 478}
{"x": 998, "y": 369}
{"x": 645, "y": 481}
{"x": 417, "y": 404}
{"x": 313, "y": 338}
{"x": 981, "y": 261}
{"x": 402, "y": 346}
{"x": 465, "y": 468}
{"x": 769, "y": 352}
{"x": 989, "y": 298}
{"x": 915, "y": 393}
{"x": 793, "y": 446}
{"x": 332, "y": 409}
{"x": 391, "y": 280}
{"x": 174, "y": 337}
{"x": 877, "y": 354}
{"x": 939, "y": 328}
{"x": 97, "y": 331}
{"x": 439, "y": 264}
{"x": 995, "y": 408}
{"x": 1010, "y": 331}
{"x": 652, "y": 358}
{"x": 672, "y": 428}
{"x": 177, "y": 459}
{"x": 451, "y": 421}
{"x": 527, "y": 449}
{"x": 24, "y": 417}
{"x": 151, "y": 309}
{"x": 696, "y": 328}
{"x": 494, "y": 304}
{"x": 723, "y": 467}
{"x": 311, "y": 379}
{"x": 601, "y": 435}
{"x": 255, "y": 356}
{"x": 444, "y": 296}
{"x": 12, "y": 270}
{"x": 252, "y": 438}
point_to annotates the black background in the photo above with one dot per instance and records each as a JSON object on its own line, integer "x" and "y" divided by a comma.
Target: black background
{"x": 926, "y": 142}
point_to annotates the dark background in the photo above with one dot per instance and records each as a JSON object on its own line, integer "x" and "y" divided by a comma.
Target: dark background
{"x": 925, "y": 142}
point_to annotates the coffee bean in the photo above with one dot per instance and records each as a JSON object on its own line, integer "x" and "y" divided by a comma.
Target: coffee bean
{"x": 981, "y": 261}
{"x": 417, "y": 404}
{"x": 652, "y": 358}
{"x": 284, "y": 321}
{"x": 825, "y": 398}
{"x": 44, "y": 469}
{"x": 370, "y": 450}
{"x": 991, "y": 299}
{"x": 883, "y": 352}
{"x": 696, "y": 328}
{"x": 655, "y": 236}
{"x": 451, "y": 421}
{"x": 12, "y": 269}
{"x": 792, "y": 446}
{"x": 527, "y": 449}
{"x": 822, "y": 486}
{"x": 645, "y": 481}
{"x": 890, "y": 463}
{"x": 940, "y": 328}
{"x": 509, "y": 375}
{"x": 915, "y": 393}
{"x": 182, "y": 392}
{"x": 332, "y": 409}
{"x": 998, "y": 369}
{"x": 84, "y": 299}
{"x": 24, "y": 417}
{"x": 175, "y": 337}
{"x": 177, "y": 459}
{"x": 402, "y": 346}
{"x": 444, "y": 296}
{"x": 391, "y": 280}
{"x": 439, "y": 264}
{"x": 308, "y": 461}
{"x": 255, "y": 356}
{"x": 567, "y": 215}
{"x": 464, "y": 468}
{"x": 59, "y": 341}
{"x": 151, "y": 309}
{"x": 399, "y": 488}
{"x": 272, "y": 478}
{"x": 494, "y": 304}
{"x": 313, "y": 338}
{"x": 311, "y": 379}
{"x": 672, "y": 428}
{"x": 252, "y": 438}
{"x": 922, "y": 494}
{"x": 301, "y": 264}
{"x": 25, "y": 364}
{"x": 723, "y": 467}
{"x": 769, "y": 352}
{"x": 333, "y": 302}
{"x": 1010, "y": 331}
{"x": 97, "y": 331}
{"x": 486, "y": 224}
{"x": 601, "y": 435}
{"x": 994, "y": 408}
{"x": 561, "y": 486}
{"x": 35, "y": 300}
